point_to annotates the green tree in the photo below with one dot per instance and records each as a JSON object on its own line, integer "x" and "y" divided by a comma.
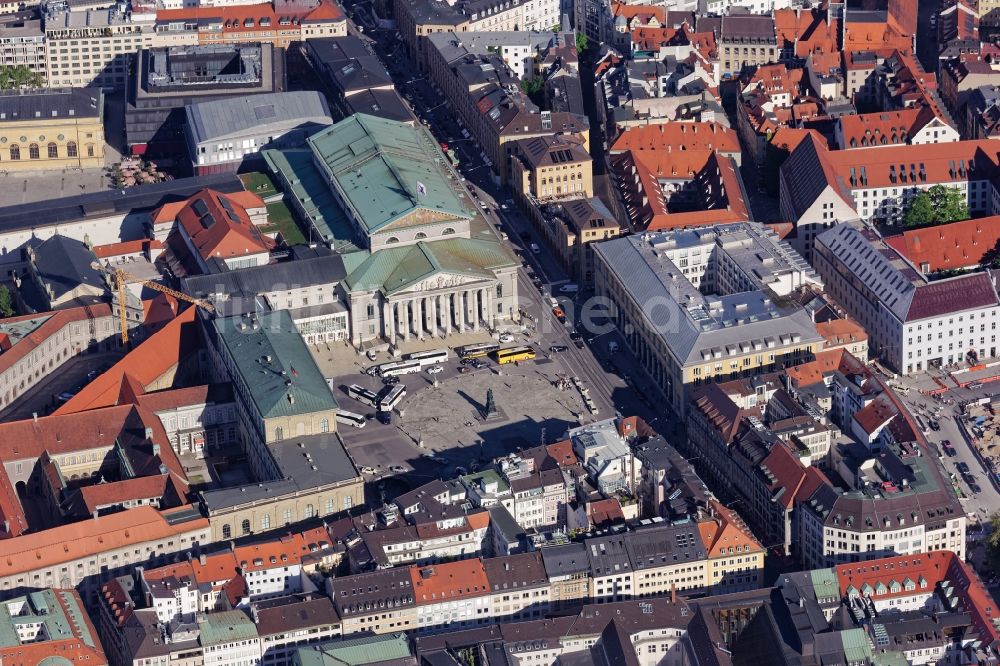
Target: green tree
{"x": 533, "y": 88}
{"x": 993, "y": 543}
{"x": 19, "y": 76}
{"x": 581, "y": 42}
{"x": 920, "y": 212}
{"x": 950, "y": 203}
{"x": 6, "y": 302}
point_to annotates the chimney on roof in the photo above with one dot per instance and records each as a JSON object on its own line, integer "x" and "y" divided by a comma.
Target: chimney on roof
{"x": 202, "y": 559}
{"x": 673, "y": 593}
{"x": 34, "y": 416}
{"x": 148, "y": 433}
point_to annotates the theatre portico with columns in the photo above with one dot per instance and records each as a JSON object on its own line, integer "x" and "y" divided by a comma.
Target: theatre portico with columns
{"x": 432, "y": 289}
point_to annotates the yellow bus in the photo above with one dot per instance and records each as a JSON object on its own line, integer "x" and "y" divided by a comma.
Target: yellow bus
{"x": 512, "y": 354}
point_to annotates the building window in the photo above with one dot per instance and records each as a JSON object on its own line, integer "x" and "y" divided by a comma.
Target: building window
{"x": 279, "y": 434}
{"x": 245, "y": 526}
{"x": 499, "y": 290}
{"x": 90, "y": 150}
{"x": 71, "y": 149}
{"x": 310, "y": 511}
{"x": 33, "y": 151}
{"x": 287, "y": 516}
{"x": 448, "y": 231}
{"x": 15, "y": 152}
{"x": 390, "y": 240}
{"x": 420, "y": 235}
{"x": 53, "y": 151}
{"x": 324, "y": 425}
{"x": 265, "y": 522}
{"x": 227, "y": 532}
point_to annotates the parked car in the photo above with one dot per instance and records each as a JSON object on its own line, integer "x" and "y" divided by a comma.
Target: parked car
{"x": 506, "y": 337}
{"x": 371, "y": 355}
{"x": 463, "y": 369}
{"x": 434, "y": 369}
{"x": 558, "y": 348}
{"x": 535, "y": 248}
{"x": 397, "y": 469}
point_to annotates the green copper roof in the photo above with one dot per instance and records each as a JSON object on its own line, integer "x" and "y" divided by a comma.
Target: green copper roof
{"x": 395, "y": 269}
{"x": 825, "y": 584}
{"x": 857, "y": 649}
{"x": 226, "y": 627}
{"x": 43, "y": 607}
{"x": 275, "y": 364}
{"x": 307, "y": 185}
{"x": 384, "y": 170}
{"x": 354, "y": 651}
{"x": 21, "y": 329}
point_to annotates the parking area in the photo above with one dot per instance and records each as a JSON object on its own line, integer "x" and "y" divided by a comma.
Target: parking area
{"x": 69, "y": 377}
{"x": 440, "y": 424}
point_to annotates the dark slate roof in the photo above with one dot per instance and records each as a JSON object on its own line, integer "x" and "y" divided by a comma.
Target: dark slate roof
{"x": 323, "y": 268}
{"x": 333, "y": 465}
{"x": 382, "y": 103}
{"x": 50, "y": 103}
{"x": 347, "y": 64}
{"x": 110, "y": 202}
{"x": 564, "y": 560}
{"x": 64, "y": 264}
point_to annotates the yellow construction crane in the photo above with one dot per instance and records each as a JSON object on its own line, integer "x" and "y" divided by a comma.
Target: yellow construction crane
{"x": 121, "y": 277}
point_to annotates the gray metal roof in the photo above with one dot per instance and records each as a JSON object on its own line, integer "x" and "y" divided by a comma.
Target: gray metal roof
{"x": 64, "y": 264}
{"x": 687, "y": 320}
{"x": 324, "y": 269}
{"x": 326, "y": 454}
{"x": 110, "y": 202}
{"x": 226, "y": 117}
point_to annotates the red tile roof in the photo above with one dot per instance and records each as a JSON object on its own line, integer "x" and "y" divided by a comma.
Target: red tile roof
{"x": 56, "y": 321}
{"x": 926, "y": 571}
{"x": 141, "y": 246}
{"x": 840, "y": 332}
{"x": 605, "y": 513}
{"x": 807, "y": 31}
{"x": 943, "y": 296}
{"x": 724, "y": 530}
{"x": 156, "y": 355}
{"x": 876, "y": 414}
{"x": 676, "y": 137}
{"x": 793, "y": 481}
{"x": 826, "y": 362}
{"x": 246, "y": 19}
{"x": 439, "y": 583}
{"x": 948, "y": 246}
{"x": 87, "y": 538}
{"x": 218, "y": 226}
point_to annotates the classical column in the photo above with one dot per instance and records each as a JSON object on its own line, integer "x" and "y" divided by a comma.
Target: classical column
{"x": 490, "y": 309}
{"x": 460, "y": 310}
{"x": 473, "y": 296}
{"x": 402, "y": 326}
{"x": 432, "y": 311}
{"x": 387, "y": 322}
{"x": 445, "y": 310}
{"x": 418, "y": 317}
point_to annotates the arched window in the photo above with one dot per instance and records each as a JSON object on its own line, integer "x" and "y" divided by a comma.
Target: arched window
{"x": 420, "y": 235}
{"x": 279, "y": 434}
{"x": 227, "y": 532}
{"x": 33, "y": 151}
{"x": 15, "y": 152}
{"x": 71, "y": 149}
{"x": 390, "y": 240}
{"x": 265, "y": 522}
{"x": 53, "y": 151}
{"x": 310, "y": 511}
{"x": 324, "y": 425}
{"x": 246, "y": 526}
{"x": 447, "y": 231}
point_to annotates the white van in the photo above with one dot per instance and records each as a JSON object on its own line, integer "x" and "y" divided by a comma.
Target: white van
{"x": 569, "y": 289}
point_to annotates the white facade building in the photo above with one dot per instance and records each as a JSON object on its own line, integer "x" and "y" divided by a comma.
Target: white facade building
{"x": 913, "y": 323}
